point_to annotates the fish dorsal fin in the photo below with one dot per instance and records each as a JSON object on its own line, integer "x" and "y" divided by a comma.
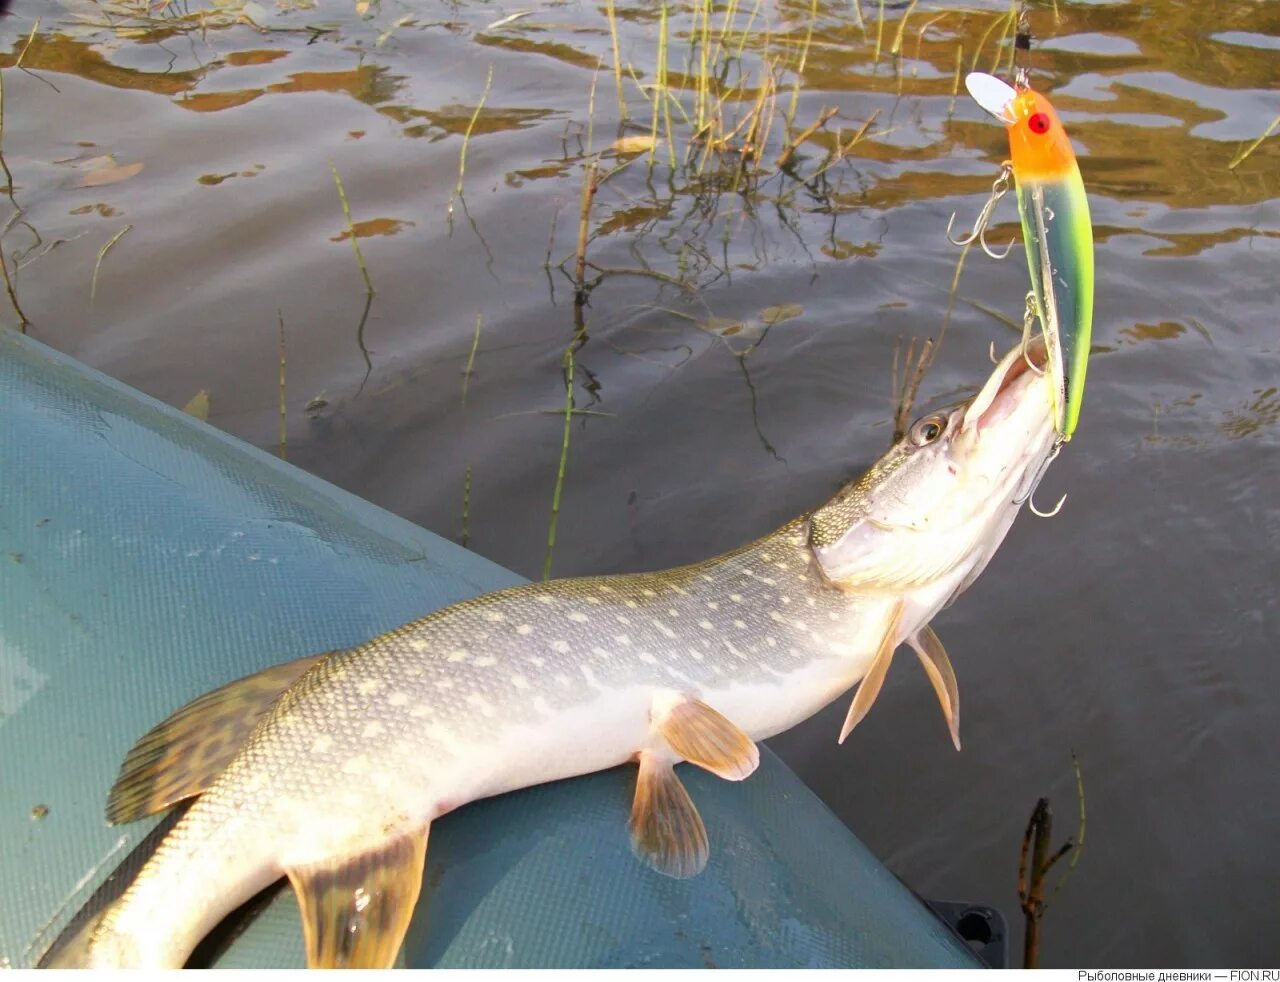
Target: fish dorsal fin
{"x": 356, "y": 909}
{"x": 933, "y": 656}
{"x": 666, "y": 830}
{"x": 702, "y": 736}
{"x": 874, "y": 679}
{"x": 183, "y": 755}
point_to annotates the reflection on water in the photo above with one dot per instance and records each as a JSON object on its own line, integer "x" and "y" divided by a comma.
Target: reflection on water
{"x": 674, "y": 310}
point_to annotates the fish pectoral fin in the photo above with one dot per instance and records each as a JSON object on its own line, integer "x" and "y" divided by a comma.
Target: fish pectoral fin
{"x": 356, "y": 909}
{"x": 183, "y": 755}
{"x": 933, "y": 656}
{"x": 869, "y": 688}
{"x": 702, "y": 736}
{"x": 666, "y": 830}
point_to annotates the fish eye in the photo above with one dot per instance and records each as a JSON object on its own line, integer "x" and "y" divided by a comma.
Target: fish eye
{"x": 1038, "y": 123}
{"x": 927, "y": 429}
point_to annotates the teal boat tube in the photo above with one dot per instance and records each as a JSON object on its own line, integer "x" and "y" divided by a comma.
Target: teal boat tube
{"x": 146, "y": 557}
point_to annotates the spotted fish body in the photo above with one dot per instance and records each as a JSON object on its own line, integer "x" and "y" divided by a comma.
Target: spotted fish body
{"x": 342, "y": 774}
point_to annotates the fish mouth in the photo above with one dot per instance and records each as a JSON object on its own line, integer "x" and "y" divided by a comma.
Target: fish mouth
{"x": 998, "y": 398}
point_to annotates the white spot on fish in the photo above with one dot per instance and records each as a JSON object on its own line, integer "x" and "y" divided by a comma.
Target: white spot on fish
{"x": 589, "y": 676}
{"x": 647, "y": 658}
{"x": 605, "y": 588}
{"x": 713, "y": 605}
{"x": 765, "y": 556}
{"x": 622, "y": 639}
{"x": 560, "y": 646}
{"x": 811, "y": 601}
{"x": 480, "y": 703}
{"x": 706, "y": 625}
{"x": 594, "y": 600}
{"x": 785, "y": 600}
{"x": 623, "y": 619}
{"x": 443, "y": 683}
{"x": 524, "y": 629}
{"x": 359, "y": 764}
{"x": 398, "y": 699}
{"x": 781, "y": 566}
{"x": 664, "y": 630}
{"x": 739, "y": 624}
{"x": 421, "y": 709}
{"x": 672, "y": 612}
{"x": 546, "y": 598}
{"x": 648, "y": 593}
{"x": 494, "y": 616}
{"x": 578, "y": 617}
{"x": 371, "y": 730}
{"x": 485, "y": 661}
{"x": 775, "y": 616}
{"x": 736, "y": 597}
{"x": 630, "y": 603}
{"x": 322, "y": 744}
{"x": 600, "y": 652}
{"x": 765, "y": 579}
{"x": 538, "y": 661}
{"x": 369, "y": 686}
{"x": 520, "y": 682}
{"x": 458, "y": 654}
{"x": 707, "y": 578}
{"x": 417, "y": 644}
{"x": 771, "y": 641}
{"x": 734, "y": 651}
{"x": 695, "y": 654}
{"x": 801, "y": 626}
{"x": 674, "y": 673}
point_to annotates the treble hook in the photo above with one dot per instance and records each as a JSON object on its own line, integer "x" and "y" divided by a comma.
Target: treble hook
{"x": 1029, "y": 497}
{"x": 999, "y": 188}
{"x": 1029, "y": 319}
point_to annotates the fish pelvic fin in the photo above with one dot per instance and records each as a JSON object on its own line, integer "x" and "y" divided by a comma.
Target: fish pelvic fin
{"x": 702, "y": 736}
{"x": 933, "y": 656}
{"x": 356, "y": 909}
{"x": 182, "y": 756}
{"x": 869, "y": 688}
{"x": 667, "y": 833}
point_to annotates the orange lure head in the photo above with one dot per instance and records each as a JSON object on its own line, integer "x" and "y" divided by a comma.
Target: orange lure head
{"x": 1038, "y": 144}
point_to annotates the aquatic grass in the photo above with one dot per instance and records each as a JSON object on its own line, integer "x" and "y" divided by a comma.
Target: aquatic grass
{"x": 355, "y": 240}
{"x": 284, "y": 419}
{"x": 93, "y": 284}
{"x": 466, "y": 140}
{"x": 1243, "y": 154}
{"x": 1036, "y": 842}
{"x": 466, "y": 508}
{"x": 611, "y": 15}
{"x": 471, "y": 360}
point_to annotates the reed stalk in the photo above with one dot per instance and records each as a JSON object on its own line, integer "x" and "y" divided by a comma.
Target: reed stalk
{"x": 466, "y": 138}
{"x": 284, "y": 419}
{"x": 355, "y": 241}
{"x": 93, "y": 283}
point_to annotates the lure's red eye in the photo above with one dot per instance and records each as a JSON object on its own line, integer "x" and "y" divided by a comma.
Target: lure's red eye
{"x": 1039, "y": 123}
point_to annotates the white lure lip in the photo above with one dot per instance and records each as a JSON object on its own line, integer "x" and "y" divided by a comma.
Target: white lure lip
{"x": 994, "y": 95}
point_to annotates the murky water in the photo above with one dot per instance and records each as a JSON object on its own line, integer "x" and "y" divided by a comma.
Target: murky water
{"x": 739, "y": 339}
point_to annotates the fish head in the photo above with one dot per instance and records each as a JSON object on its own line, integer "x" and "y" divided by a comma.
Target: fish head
{"x": 939, "y": 502}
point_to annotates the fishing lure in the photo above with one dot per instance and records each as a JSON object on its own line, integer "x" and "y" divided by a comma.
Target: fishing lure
{"x": 1056, "y": 228}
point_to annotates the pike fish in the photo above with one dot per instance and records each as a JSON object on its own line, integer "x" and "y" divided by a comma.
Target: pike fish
{"x": 330, "y": 770}
{"x": 1056, "y": 229}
